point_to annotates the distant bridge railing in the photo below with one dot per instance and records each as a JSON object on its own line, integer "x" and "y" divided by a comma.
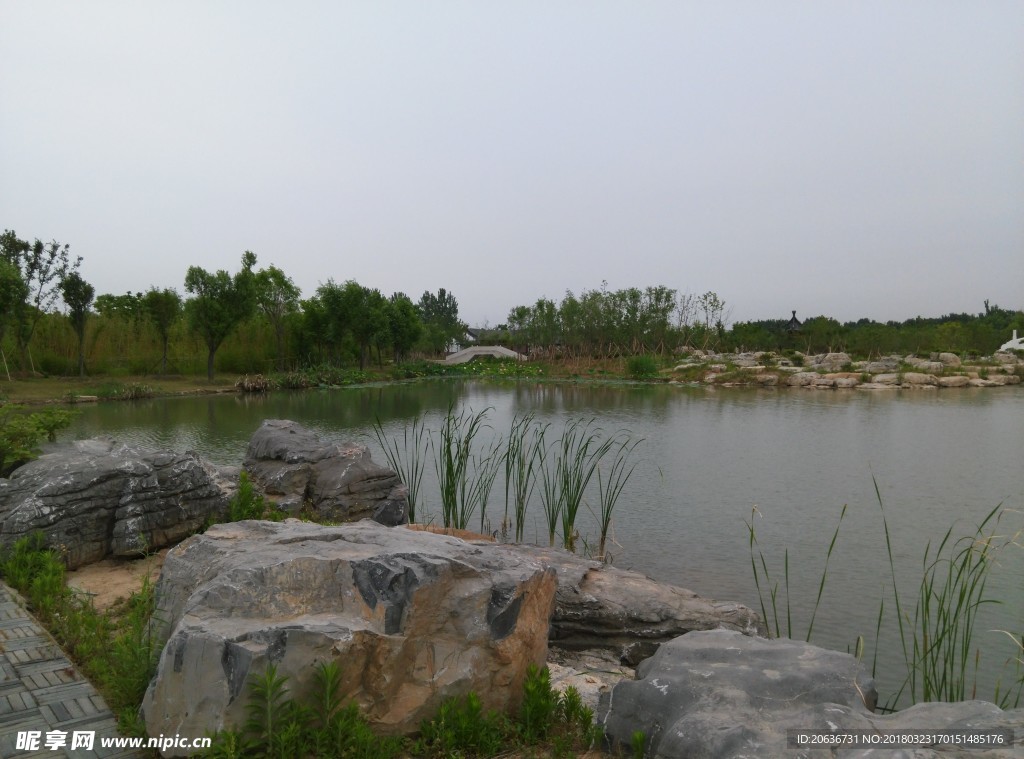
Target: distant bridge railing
{"x": 468, "y": 354}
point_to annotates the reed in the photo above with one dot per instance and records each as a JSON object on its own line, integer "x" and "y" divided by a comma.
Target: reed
{"x": 938, "y": 636}
{"x": 524, "y": 457}
{"x": 409, "y": 460}
{"x": 610, "y": 486}
{"x": 580, "y": 451}
{"x": 465, "y": 479}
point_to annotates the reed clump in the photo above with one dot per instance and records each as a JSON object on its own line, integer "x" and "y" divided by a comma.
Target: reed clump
{"x": 469, "y": 455}
{"x": 937, "y": 630}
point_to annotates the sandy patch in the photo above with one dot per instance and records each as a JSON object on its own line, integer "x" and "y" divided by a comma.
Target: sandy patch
{"x": 112, "y": 579}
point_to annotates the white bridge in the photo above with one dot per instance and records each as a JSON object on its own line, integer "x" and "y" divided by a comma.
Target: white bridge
{"x": 1015, "y": 344}
{"x": 468, "y": 354}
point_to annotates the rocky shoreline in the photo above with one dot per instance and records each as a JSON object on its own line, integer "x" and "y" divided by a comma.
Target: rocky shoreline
{"x": 831, "y": 371}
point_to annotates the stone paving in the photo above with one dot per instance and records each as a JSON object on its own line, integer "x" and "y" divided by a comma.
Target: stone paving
{"x": 42, "y": 691}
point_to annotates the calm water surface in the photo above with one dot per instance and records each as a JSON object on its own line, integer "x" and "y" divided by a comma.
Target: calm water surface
{"x": 709, "y": 457}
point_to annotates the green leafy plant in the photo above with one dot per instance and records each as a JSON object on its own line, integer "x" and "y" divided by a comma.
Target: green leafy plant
{"x": 21, "y": 432}
{"x": 247, "y": 503}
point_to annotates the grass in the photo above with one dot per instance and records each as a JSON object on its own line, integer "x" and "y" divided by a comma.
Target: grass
{"x": 938, "y": 634}
{"x": 114, "y": 649}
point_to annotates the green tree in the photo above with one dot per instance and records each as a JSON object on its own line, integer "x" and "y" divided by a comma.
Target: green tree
{"x": 219, "y": 303}
{"x": 13, "y": 292}
{"x": 163, "y": 308}
{"x": 43, "y": 267}
{"x": 440, "y": 315}
{"x": 404, "y": 325}
{"x": 277, "y": 298}
{"x": 78, "y": 295}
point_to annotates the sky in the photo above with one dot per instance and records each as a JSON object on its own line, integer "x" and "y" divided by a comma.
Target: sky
{"x": 853, "y": 159}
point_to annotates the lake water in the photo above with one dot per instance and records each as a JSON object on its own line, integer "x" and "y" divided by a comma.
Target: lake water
{"x": 708, "y": 458}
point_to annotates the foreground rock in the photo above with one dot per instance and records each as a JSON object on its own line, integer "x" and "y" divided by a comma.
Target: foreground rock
{"x": 339, "y": 483}
{"x": 97, "y": 498}
{"x": 602, "y": 608}
{"x": 722, "y": 694}
{"x": 413, "y": 618}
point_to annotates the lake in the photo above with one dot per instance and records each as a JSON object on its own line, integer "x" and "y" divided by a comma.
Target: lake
{"x": 709, "y": 456}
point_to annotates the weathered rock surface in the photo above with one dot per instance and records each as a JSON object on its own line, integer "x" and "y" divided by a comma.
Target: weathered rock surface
{"x": 800, "y": 379}
{"x": 413, "y": 618}
{"x": 829, "y": 362}
{"x": 340, "y": 483}
{"x": 95, "y": 498}
{"x": 721, "y": 694}
{"x": 949, "y": 359}
{"x": 600, "y": 607}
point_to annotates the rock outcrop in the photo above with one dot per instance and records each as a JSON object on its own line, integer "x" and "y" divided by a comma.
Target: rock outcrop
{"x": 413, "y": 618}
{"x": 602, "y": 608}
{"x": 97, "y": 498}
{"x": 339, "y": 483}
{"x": 722, "y": 694}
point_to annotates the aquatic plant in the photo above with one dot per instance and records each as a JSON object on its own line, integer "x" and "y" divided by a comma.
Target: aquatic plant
{"x": 409, "y": 460}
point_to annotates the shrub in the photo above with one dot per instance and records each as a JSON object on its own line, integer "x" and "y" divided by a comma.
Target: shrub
{"x": 642, "y": 367}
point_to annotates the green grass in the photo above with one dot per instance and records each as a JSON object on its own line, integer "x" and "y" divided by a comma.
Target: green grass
{"x": 114, "y": 649}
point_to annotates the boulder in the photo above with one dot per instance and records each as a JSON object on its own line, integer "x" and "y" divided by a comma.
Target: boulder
{"x": 930, "y": 367}
{"x": 917, "y": 378}
{"x": 882, "y": 365}
{"x": 339, "y": 483}
{"x": 956, "y": 380}
{"x": 599, "y": 607}
{"x": 829, "y": 362}
{"x": 801, "y": 379}
{"x": 949, "y": 359}
{"x": 413, "y": 619}
{"x": 886, "y": 379}
{"x": 721, "y": 694}
{"x": 97, "y": 498}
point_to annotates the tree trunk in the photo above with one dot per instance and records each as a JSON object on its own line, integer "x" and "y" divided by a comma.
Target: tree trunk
{"x": 209, "y": 364}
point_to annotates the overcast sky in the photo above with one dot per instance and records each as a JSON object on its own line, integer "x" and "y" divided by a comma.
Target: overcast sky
{"x": 847, "y": 158}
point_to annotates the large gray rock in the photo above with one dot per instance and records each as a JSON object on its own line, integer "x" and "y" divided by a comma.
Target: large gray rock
{"x": 297, "y": 468}
{"x": 413, "y": 618}
{"x": 602, "y": 608}
{"x": 724, "y": 695}
{"x": 96, "y": 498}
{"x": 829, "y": 362}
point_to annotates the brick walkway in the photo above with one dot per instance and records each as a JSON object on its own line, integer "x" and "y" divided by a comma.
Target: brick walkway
{"x": 41, "y": 690}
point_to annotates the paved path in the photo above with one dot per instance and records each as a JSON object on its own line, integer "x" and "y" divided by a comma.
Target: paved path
{"x": 40, "y": 690}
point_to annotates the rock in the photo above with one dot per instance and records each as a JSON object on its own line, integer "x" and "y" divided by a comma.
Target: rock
{"x": 602, "y": 608}
{"x": 413, "y": 618}
{"x": 767, "y": 380}
{"x": 829, "y": 362}
{"x": 949, "y": 359}
{"x": 956, "y": 380}
{"x": 886, "y": 379}
{"x": 721, "y": 694}
{"x": 1004, "y": 379}
{"x": 801, "y": 379}
{"x": 917, "y": 378}
{"x": 846, "y": 382}
{"x": 340, "y": 483}
{"x": 882, "y": 365}
{"x": 591, "y": 673}
{"x": 1004, "y": 357}
{"x": 823, "y": 381}
{"x": 96, "y": 498}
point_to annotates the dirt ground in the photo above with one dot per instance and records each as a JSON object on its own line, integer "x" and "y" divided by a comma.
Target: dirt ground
{"x": 111, "y": 579}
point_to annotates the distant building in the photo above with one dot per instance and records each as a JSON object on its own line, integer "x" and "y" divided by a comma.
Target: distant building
{"x": 794, "y": 324}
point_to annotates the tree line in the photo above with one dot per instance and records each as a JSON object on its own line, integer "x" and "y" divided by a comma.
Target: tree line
{"x": 255, "y": 320}
{"x": 258, "y": 311}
